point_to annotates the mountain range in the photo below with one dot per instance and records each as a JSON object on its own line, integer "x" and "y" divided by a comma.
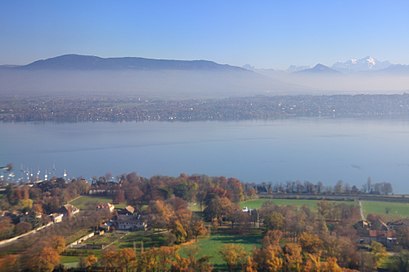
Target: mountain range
{"x": 89, "y": 63}
{"x": 81, "y": 74}
{"x": 84, "y": 62}
{"x": 160, "y": 78}
{"x": 364, "y": 65}
{"x": 318, "y": 69}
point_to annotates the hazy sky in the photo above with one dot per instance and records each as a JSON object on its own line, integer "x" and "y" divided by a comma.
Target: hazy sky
{"x": 268, "y": 34}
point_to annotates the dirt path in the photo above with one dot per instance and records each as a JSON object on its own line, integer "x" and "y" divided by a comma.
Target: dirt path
{"x": 361, "y": 210}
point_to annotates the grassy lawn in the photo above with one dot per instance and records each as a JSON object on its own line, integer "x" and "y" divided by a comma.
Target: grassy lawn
{"x": 257, "y": 203}
{"x": 310, "y": 203}
{"x": 148, "y": 238}
{"x": 211, "y": 245}
{"x": 105, "y": 239}
{"x": 388, "y": 210}
{"x": 90, "y": 202}
{"x": 70, "y": 261}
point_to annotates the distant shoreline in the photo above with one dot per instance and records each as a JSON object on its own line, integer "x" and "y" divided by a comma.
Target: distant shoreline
{"x": 122, "y": 109}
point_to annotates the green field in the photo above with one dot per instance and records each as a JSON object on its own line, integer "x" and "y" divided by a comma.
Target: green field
{"x": 310, "y": 203}
{"x": 211, "y": 245}
{"x": 257, "y": 203}
{"x": 146, "y": 238}
{"x": 90, "y": 202}
{"x": 107, "y": 238}
{"x": 388, "y": 210}
{"x": 70, "y": 261}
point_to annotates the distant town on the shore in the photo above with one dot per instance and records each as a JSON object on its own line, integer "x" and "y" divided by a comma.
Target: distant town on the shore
{"x": 100, "y": 108}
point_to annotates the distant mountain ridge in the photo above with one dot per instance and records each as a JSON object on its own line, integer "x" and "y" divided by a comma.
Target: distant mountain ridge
{"x": 367, "y": 64}
{"x": 318, "y": 69}
{"x": 80, "y": 74}
{"x": 84, "y": 62}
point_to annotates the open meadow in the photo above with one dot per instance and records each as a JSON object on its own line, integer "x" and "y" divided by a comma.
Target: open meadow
{"x": 211, "y": 245}
{"x": 310, "y": 203}
{"x": 89, "y": 202}
{"x": 387, "y": 210}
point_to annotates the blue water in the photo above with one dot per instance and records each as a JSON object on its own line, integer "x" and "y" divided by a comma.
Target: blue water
{"x": 271, "y": 151}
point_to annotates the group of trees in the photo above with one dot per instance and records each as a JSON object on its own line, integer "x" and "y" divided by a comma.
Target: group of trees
{"x": 165, "y": 258}
{"x": 137, "y": 190}
{"x": 47, "y": 196}
{"x": 276, "y": 255}
{"x": 42, "y": 256}
{"x": 175, "y": 216}
{"x": 28, "y": 207}
{"x": 307, "y": 187}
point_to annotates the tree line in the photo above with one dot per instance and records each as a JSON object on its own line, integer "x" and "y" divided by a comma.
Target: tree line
{"x": 318, "y": 188}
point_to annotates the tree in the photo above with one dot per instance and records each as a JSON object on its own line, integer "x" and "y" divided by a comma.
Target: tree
{"x": 160, "y": 214}
{"x": 378, "y": 251}
{"x": 234, "y": 256}
{"x": 23, "y": 227}
{"x": 274, "y": 220}
{"x": 339, "y": 187}
{"x": 9, "y": 263}
{"x": 158, "y": 259}
{"x": 179, "y": 231}
{"x": 269, "y": 258}
{"x": 126, "y": 259}
{"x": 400, "y": 262}
{"x": 133, "y": 193}
{"x": 197, "y": 228}
{"x": 293, "y": 257}
{"x": 88, "y": 262}
{"x": 250, "y": 265}
{"x": 272, "y": 237}
{"x": 324, "y": 209}
{"x": 331, "y": 265}
{"x": 119, "y": 197}
{"x": 110, "y": 259}
{"x": 219, "y": 208}
{"x": 6, "y": 228}
{"x": 46, "y": 260}
{"x": 310, "y": 243}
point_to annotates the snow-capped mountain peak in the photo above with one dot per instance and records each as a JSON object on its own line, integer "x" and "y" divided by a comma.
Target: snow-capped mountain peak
{"x": 361, "y": 65}
{"x": 371, "y": 62}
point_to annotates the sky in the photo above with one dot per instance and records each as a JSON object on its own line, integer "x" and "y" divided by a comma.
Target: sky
{"x": 265, "y": 34}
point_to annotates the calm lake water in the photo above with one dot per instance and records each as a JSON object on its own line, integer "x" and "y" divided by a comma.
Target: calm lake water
{"x": 271, "y": 151}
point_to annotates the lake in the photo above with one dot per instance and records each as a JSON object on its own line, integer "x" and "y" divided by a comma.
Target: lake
{"x": 253, "y": 151}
